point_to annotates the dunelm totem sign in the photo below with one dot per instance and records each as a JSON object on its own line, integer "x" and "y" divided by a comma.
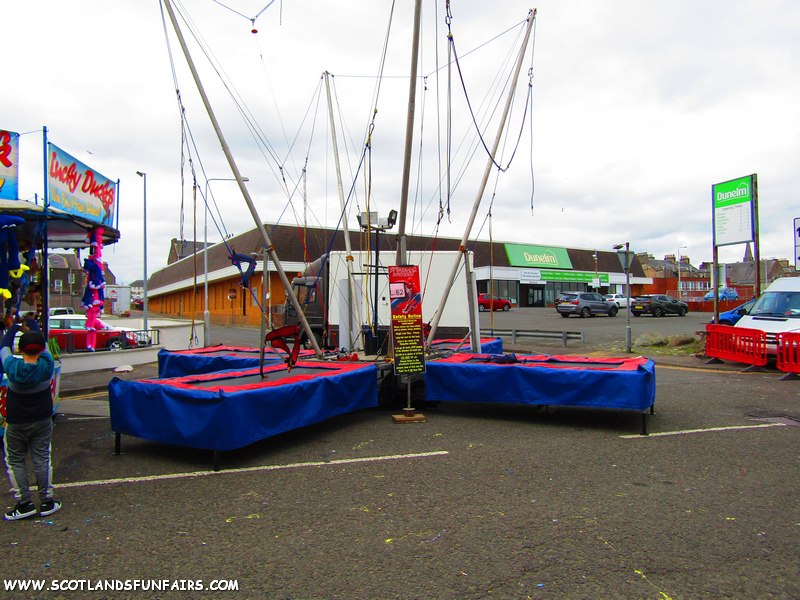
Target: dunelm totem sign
{"x": 733, "y": 211}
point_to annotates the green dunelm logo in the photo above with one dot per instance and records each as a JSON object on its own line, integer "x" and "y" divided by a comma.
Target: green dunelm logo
{"x": 742, "y": 191}
{"x": 547, "y": 257}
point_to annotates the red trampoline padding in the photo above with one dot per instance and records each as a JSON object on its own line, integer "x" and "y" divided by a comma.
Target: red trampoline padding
{"x": 276, "y": 375}
{"x": 177, "y": 363}
{"x": 549, "y": 361}
{"x": 210, "y": 411}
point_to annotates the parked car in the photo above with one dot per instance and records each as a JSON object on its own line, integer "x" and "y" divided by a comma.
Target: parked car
{"x": 61, "y": 310}
{"x": 489, "y": 302}
{"x": 731, "y": 317}
{"x": 619, "y": 299}
{"x": 725, "y": 293}
{"x": 137, "y": 304}
{"x": 585, "y": 304}
{"x": 64, "y": 327}
{"x": 658, "y": 305}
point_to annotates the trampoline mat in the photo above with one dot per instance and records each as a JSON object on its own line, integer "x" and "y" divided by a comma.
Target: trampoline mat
{"x": 251, "y": 379}
{"x": 553, "y": 361}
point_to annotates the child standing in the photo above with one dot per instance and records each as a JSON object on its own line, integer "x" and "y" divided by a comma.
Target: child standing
{"x": 29, "y": 427}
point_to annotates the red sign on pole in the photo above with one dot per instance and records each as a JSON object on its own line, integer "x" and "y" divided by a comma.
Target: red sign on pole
{"x": 408, "y": 340}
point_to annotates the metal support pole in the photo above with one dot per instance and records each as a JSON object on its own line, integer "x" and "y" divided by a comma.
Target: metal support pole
{"x": 144, "y": 232}
{"x": 412, "y": 93}
{"x": 628, "y": 286}
{"x": 206, "y": 313}
{"x": 351, "y": 289}
{"x": 245, "y": 193}
{"x": 487, "y": 172}
{"x": 375, "y": 315}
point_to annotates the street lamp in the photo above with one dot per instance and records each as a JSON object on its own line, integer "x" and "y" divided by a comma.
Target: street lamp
{"x": 680, "y": 295}
{"x": 626, "y": 259}
{"x": 369, "y": 221}
{"x": 206, "y": 314}
{"x": 144, "y": 232}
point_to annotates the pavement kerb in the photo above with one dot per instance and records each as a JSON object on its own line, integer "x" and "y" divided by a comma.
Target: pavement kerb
{"x": 71, "y": 393}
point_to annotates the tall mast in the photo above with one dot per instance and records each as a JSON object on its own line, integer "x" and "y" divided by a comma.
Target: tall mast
{"x": 351, "y": 287}
{"x": 412, "y": 94}
{"x": 267, "y": 243}
{"x": 463, "y": 247}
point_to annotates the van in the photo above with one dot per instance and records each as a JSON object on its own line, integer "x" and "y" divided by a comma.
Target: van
{"x": 61, "y": 310}
{"x": 776, "y": 311}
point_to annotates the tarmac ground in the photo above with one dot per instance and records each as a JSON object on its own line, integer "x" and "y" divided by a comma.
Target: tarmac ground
{"x": 480, "y": 501}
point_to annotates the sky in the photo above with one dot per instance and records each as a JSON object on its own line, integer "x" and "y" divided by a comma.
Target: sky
{"x": 635, "y": 109}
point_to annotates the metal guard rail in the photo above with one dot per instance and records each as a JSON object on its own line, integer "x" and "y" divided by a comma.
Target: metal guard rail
{"x": 739, "y": 344}
{"x": 115, "y": 342}
{"x": 515, "y": 333}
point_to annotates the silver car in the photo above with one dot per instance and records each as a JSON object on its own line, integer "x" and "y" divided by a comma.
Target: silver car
{"x": 585, "y": 304}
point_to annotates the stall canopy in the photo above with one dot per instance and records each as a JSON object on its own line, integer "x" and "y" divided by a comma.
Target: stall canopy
{"x": 64, "y": 230}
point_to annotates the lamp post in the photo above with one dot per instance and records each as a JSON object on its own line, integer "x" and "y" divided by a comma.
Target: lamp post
{"x": 369, "y": 221}
{"x": 680, "y": 293}
{"x": 144, "y": 233}
{"x": 626, "y": 259}
{"x": 206, "y": 314}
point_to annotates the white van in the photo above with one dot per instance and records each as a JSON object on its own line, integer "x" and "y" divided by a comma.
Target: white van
{"x": 776, "y": 311}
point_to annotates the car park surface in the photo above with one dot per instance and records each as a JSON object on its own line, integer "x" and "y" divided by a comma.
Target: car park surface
{"x": 585, "y": 304}
{"x": 378, "y": 510}
{"x": 658, "y": 305}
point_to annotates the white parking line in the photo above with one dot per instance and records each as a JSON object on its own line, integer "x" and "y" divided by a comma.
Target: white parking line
{"x": 322, "y": 463}
{"x": 688, "y": 431}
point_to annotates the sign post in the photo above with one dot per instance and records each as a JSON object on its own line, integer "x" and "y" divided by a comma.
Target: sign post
{"x": 408, "y": 341}
{"x": 735, "y": 221}
{"x": 796, "y": 241}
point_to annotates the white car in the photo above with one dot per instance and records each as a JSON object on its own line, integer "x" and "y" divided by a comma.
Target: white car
{"x": 776, "y": 311}
{"x": 621, "y": 300}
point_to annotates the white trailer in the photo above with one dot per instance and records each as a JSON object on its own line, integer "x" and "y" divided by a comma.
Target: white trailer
{"x": 328, "y": 283}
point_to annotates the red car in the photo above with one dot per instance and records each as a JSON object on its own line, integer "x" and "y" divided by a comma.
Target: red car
{"x": 489, "y": 302}
{"x": 70, "y": 332}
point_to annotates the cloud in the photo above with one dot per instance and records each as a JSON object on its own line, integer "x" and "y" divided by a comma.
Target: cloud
{"x": 638, "y": 108}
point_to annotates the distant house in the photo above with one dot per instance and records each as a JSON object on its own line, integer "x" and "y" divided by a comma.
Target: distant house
{"x": 743, "y": 274}
{"x": 694, "y": 281}
{"x": 67, "y": 280}
{"x": 137, "y": 289}
{"x": 180, "y": 249}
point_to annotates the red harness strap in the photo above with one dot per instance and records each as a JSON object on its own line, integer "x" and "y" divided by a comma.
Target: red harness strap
{"x": 277, "y": 338}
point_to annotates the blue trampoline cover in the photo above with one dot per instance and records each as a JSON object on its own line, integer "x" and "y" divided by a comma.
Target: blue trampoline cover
{"x": 628, "y": 383}
{"x": 224, "y": 415}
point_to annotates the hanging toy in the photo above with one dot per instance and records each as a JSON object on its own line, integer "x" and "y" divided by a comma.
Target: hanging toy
{"x": 9, "y": 253}
{"x": 94, "y": 294}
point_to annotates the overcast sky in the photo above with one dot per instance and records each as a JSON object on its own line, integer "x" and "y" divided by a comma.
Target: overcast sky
{"x": 638, "y": 107}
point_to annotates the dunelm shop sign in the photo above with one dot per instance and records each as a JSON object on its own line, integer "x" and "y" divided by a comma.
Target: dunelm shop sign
{"x": 537, "y": 256}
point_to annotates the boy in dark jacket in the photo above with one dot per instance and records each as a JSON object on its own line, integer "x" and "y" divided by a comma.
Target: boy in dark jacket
{"x": 29, "y": 427}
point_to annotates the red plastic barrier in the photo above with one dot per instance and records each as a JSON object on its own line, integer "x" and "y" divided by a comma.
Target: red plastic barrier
{"x": 738, "y": 344}
{"x": 789, "y": 352}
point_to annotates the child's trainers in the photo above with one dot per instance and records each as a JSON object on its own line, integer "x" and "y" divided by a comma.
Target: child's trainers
{"x": 21, "y": 511}
{"x": 48, "y": 507}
